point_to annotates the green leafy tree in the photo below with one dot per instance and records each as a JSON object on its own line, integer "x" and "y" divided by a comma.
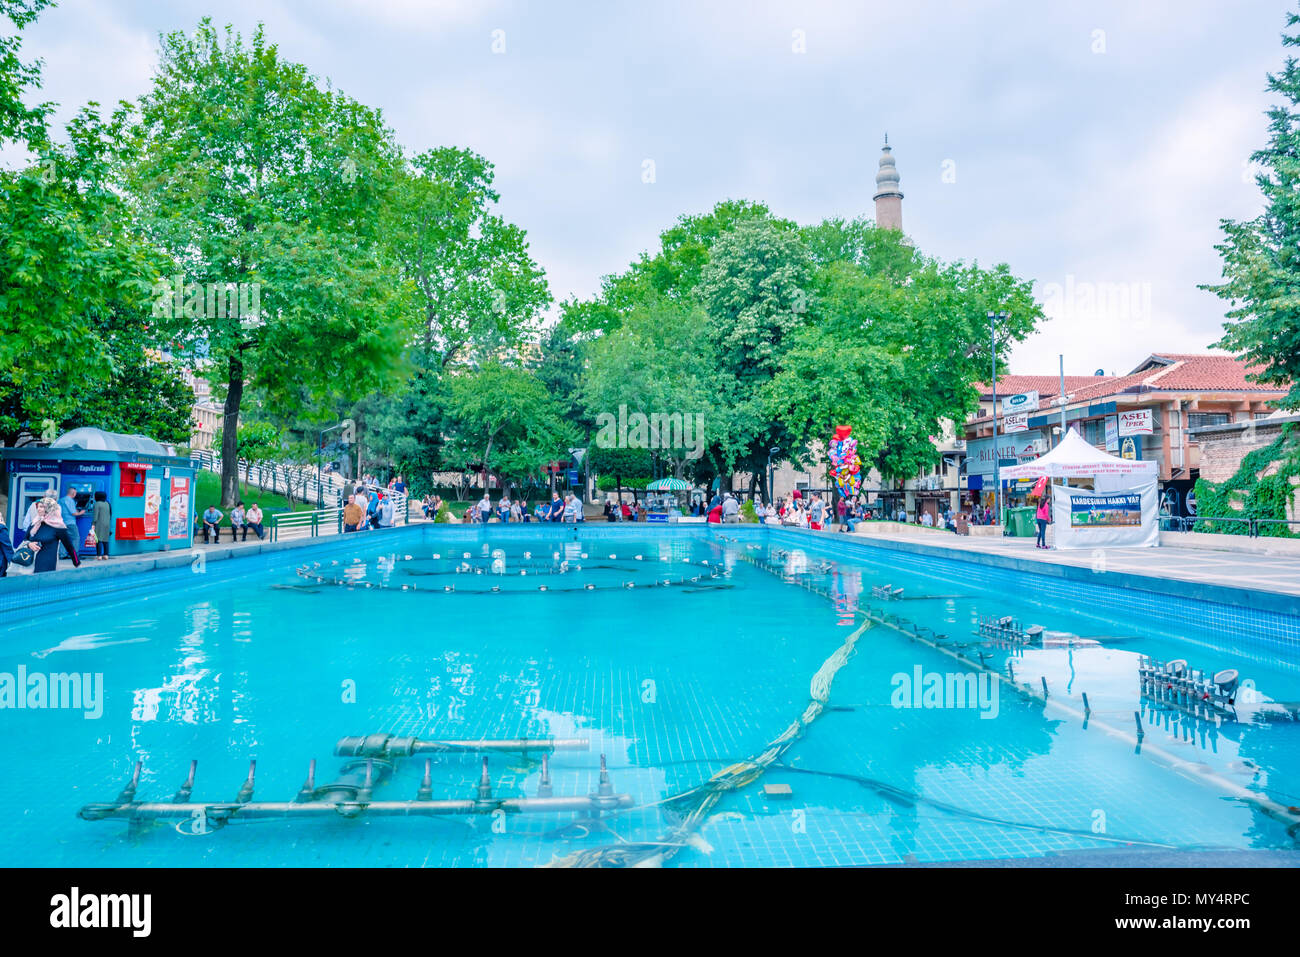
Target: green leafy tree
{"x": 502, "y": 420}
{"x": 618, "y": 467}
{"x": 406, "y": 428}
{"x": 686, "y": 248}
{"x": 259, "y": 182}
{"x": 71, "y": 266}
{"x": 757, "y": 290}
{"x": 1261, "y": 257}
{"x": 893, "y": 349}
{"x": 479, "y": 292}
{"x": 256, "y": 442}
{"x": 658, "y": 362}
{"x": 19, "y": 121}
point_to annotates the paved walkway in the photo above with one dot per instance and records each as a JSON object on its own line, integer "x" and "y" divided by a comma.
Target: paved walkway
{"x": 1275, "y": 573}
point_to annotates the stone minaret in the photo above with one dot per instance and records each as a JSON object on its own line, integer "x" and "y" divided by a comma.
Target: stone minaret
{"x": 889, "y": 198}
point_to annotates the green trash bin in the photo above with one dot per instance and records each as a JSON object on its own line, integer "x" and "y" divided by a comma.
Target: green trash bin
{"x": 1020, "y": 522}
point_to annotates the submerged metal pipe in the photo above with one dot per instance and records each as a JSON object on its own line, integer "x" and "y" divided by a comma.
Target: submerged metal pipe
{"x": 391, "y": 746}
{"x": 289, "y": 809}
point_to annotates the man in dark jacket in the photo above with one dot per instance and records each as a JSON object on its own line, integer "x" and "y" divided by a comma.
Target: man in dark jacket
{"x": 6, "y": 549}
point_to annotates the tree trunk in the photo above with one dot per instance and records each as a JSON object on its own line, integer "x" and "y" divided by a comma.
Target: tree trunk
{"x": 230, "y": 433}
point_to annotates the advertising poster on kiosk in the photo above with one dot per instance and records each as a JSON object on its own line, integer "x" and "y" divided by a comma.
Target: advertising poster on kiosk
{"x": 152, "y": 505}
{"x": 178, "y": 509}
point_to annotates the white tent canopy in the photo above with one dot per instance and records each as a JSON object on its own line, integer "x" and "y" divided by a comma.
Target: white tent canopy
{"x": 1075, "y": 458}
{"x": 1120, "y": 508}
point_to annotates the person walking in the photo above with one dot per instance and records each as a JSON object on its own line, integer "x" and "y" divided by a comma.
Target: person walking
{"x": 6, "y": 548}
{"x": 816, "y": 512}
{"x": 103, "y": 524}
{"x": 352, "y": 516}
{"x": 49, "y": 531}
{"x": 1043, "y": 515}
{"x": 385, "y": 517}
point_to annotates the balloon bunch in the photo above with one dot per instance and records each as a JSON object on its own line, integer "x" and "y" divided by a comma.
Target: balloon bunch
{"x": 846, "y": 467}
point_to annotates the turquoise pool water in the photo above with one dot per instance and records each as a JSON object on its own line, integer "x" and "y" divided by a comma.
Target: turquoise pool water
{"x": 703, "y": 662}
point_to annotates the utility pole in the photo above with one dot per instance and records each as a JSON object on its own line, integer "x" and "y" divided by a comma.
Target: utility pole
{"x": 997, "y": 455}
{"x": 1062, "y": 398}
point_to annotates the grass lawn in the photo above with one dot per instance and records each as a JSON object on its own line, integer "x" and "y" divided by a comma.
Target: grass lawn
{"x": 208, "y": 492}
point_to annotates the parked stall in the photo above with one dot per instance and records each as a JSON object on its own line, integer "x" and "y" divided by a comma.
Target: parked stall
{"x": 1097, "y": 499}
{"x": 149, "y": 490}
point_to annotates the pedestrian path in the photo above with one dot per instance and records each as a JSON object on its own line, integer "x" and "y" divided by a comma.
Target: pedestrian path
{"x": 1275, "y": 573}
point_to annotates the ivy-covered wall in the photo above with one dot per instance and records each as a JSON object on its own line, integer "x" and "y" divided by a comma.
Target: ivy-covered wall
{"x": 1247, "y": 495}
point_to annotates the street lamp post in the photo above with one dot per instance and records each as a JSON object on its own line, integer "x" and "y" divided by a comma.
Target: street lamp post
{"x": 771, "y": 492}
{"x": 320, "y": 457}
{"x": 997, "y": 456}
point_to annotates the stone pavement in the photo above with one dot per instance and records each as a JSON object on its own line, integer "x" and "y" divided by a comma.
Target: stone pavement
{"x": 1275, "y": 573}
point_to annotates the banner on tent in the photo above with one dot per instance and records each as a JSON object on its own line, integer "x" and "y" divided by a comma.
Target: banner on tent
{"x": 1106, "y": 510}
{"x": 1085, "y": 518}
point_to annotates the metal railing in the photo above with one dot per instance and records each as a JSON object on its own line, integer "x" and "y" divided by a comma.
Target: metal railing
{"x": 329, "y": 521}
{"x": 321, "y": 521}
{"x": 1253, "y": 526}
{"x": 299, "y": 481}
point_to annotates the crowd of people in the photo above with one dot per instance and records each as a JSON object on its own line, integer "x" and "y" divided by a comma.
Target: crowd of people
{"x": 566, "y": 508}
{"x": 242, "y": 521}
{"x": 369, "y": 506}
{"x": 50, "y": 525}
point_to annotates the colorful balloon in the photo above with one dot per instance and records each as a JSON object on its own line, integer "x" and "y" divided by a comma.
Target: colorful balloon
{"x": 846, "y": 466}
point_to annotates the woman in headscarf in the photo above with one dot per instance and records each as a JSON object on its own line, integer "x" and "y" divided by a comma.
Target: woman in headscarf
{"x": 48, "y": 531}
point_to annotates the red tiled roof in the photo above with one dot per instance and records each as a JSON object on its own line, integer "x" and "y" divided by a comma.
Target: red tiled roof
{"x": 1044, "y": 385}
{"x": 1172, "y": 371}
{"x": 1183, "y": 371}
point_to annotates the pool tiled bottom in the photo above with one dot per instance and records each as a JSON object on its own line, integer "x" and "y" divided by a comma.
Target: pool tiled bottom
{"x": 670, "y": 685}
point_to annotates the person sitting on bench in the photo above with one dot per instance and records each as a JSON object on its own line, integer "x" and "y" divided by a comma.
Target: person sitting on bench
{"x": 211, "y": 524}
{"x": 253, "y": 518}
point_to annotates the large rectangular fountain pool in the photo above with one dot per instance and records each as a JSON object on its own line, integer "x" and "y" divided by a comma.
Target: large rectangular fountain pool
{"x": 759, "y": 699}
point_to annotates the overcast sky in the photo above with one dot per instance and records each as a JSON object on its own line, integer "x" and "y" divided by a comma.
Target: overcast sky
{"x": 1081, "y": 143}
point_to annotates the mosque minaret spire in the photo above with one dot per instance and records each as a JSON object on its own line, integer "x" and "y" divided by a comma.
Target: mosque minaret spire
{"x": 888, "y": 197}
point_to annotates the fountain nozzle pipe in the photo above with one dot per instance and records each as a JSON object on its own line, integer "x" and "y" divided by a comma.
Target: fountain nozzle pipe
{"x": 308, "y": 790}
{"x": 183, "y": 795}
{"x": 544, "y": 789}
{"x": 128, "y": 793}
{"x": 246, "y": 790}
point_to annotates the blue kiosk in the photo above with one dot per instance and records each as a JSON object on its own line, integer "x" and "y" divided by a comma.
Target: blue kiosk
{"x": 150, "y": 491}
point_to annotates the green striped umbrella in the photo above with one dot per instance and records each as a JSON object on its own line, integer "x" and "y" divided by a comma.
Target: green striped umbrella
{"x": 668, "y": 485}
